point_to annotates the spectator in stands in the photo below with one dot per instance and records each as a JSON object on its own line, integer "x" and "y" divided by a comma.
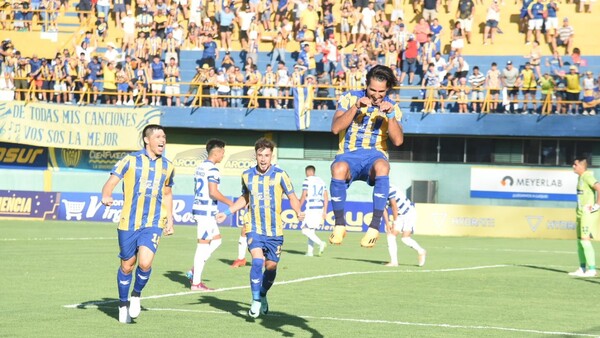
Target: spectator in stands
{"x": 265, "y": 8}
{"x": 528, "y": 88}
{"x": 509, "y": 78}
{"x": 346, "y": 13}
{"x": 551, "y": 20}
{"x": 491, "y": 22}
{"x": 460, "y": 65}
{"x": 283, "y": 82}
{"x": 462, "y": 92}
{"x": 436, "y": 30}
{"x": 458, "y": 38}
{"x": 547, "y": 85}
{"x": 172, "y": 78}
{"x": 157, "y": 76}
{"x": 323, "y": 82}
{"x": 576, "y": 57}
{"x": 84, "y": 7}
{"x": 160, "y": 23}
{"x": 430, "y": 10}
{"x": 536, "y": 20}
{"x": 101, "y": 26}
{"x": 22, "y": 71}
{"x": 171, "y": 47}
{"x": 94, "y": 75}
{"x": 397, "y": 10}
{"x": 329, "y": 23}
{"x": 253, "y": 81}
{"x": 535, "y": 57}
{"x": 269, "y": 89}
{"x": 111, "y": 54}
{"x": 210, "y": 53}
{"x": 226, "y": 27}
{"x": 564, "y": 37}
{"x": 431, "y": 84}
{"x": 154, "y": 43}
{"x": 465, "y": 14}
{"x": 281, "y": 11}
{"x": 237, "y": 90}
{"x": 128, "y": 24}
{"x": 427, "y": 52}
{"x": 421, "y": 31}
{"x": 309, "y": 18}
{"x": 245, "y": 18}
{"x": 144, "y": 22}
{"x": 122, "y": 80}
{"x": 572, "y": 90}
{"x": 409, "y": 60}
{"x": 492, "y": 83}
{"x": 102, "y": 8}
{"x": 477, "y": 82}
{"x": 367, "y": 20}
{"x": 109, "y": 84}
{"x": 227, "y": 61}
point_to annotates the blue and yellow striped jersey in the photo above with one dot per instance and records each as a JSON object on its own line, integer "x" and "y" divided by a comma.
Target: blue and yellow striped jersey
{"x": 143, "y": 182}
{"x": 265, "y": 195}
{"x": 367, "y": 130}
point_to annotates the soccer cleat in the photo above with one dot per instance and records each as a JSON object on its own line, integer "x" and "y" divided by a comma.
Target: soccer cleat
{"x": 577, "y": 273}
{"x": 200, "y": 287}
{"x": 264, "y": 305}
{"x": 135, "y": 307}
{"x": 308, "y": 254}
{"x": 254, "y": 311}
{"x": 370, "y": 238}
{"x": 590, "y": 273}
{"x": 124, "y": 316}
{"x": 239, "y": 263}
{"x": 322, "y": 248}
{"x": 338, "y": 234}
{"x": 422, "y": 257}
{"x": 391, "y": 264}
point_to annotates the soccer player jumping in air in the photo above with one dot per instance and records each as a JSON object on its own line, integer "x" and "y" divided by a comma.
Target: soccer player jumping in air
{"x": 147, "y": 213}
{"x": 263, "y": 187}
{"x": 364, "y": 121}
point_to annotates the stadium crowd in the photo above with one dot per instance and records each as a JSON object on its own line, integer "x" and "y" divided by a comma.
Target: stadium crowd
{"x": 144, "y": 68}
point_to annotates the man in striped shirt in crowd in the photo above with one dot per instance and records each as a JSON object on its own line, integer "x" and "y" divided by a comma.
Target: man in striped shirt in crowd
{"x": 476, "y": 80}
{"x": 402, "y": 221}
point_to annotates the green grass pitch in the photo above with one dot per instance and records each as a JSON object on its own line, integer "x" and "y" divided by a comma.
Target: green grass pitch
{"x": 58, "y": 279}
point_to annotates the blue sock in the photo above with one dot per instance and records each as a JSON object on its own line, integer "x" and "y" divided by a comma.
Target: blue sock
{"x": 338, "y": 200}
{"x": 380, "y": 197}
{"x": 123, "y": 282}
{"x": 256, "y": 277}
{"x": 267, "y": 282}
{"x": 141, "y": 278}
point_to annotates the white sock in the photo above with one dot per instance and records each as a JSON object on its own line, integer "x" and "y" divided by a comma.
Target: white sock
{"x": 214, "y": 244}
{"x": 202, "y": 252}
{"x": 411, "y": 243}
{"x": 392, "y": 248}
{"x": 242, "y": 247}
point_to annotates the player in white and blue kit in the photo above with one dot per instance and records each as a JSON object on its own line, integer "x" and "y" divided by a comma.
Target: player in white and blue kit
{"x": 314, "y": 192}
{"x": 206, "y": 197}
{"x": 403, "y": 220}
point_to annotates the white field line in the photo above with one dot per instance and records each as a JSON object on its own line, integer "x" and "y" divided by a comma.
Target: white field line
{"x": 299, "y": 280}
{"x": 572, "y": 252}
{"x": 57, "y": 239}
{"x": 395, "y": 322}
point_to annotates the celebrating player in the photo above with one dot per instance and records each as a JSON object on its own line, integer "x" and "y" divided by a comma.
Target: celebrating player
{"x": 147, "y": 213}
{"x": 588, "y": 204}
{"x": 207, "y": 195}
{"x": 403, "y": 220}
{"x": 263, "y": 187}
{"x": 314, "y": 192}
{"x": 364, "y": 120}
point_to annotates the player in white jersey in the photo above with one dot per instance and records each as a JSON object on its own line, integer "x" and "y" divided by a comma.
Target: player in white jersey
{"x": 403, "y": 219}
{"x": 314, "y": 193}
{"x": 204, "y": 209}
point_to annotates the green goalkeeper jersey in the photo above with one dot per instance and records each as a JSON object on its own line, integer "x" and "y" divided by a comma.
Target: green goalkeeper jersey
{"x": 585, "y": 191}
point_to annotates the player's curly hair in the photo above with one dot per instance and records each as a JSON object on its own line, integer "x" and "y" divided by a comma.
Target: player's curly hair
{"x": 382, "y": 73}
{"x": 263, "y": 143}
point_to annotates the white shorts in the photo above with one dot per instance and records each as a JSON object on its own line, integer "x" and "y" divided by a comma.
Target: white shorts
{"x": 477, "y": 95}
{"x": 397, "y": 13}
{"x": 467, "y": 24}
{"x": 457, "y": 44}
{"x": 406, "y": 222}
{"x": 207, "y": 227}
{"x": 60, "y": 87}
{"x": 157, "y": 85}
{"x": 551, "y": 23}
{"x": 172, "y": 90}
{"x": 270, "y": 92}
{"x": 535, "y": 24}
{"x": 313, "y": 218}
{"x": 364, "y": 29}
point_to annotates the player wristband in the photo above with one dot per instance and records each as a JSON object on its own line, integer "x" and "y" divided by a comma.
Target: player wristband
{"x": 391, "y": 115}
{"x": 227, "y": 212}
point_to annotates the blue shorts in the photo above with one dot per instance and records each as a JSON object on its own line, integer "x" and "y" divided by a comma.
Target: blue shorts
{"x": 360, "y": 162}
{"x": 130, "y": 241}
{"x": 271, "y": 245}
{"x": 124, "y": 87}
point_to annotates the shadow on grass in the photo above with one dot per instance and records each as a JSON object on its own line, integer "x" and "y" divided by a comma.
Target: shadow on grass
{"x": 542, "y": 268}
{"x": 275, "y": 321}
{"x": 371, "y": 261}
{"x": 178, "y": 277}
{"x": 294, "y": 252}
{"x": 108, "y": 306}
{"x": 227, "y": 261}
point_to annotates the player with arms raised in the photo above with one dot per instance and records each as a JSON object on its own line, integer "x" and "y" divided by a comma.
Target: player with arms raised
{"x": 147, "y": 213}
{"x": 263, "y": 187}
{"x": 364, "y": 121}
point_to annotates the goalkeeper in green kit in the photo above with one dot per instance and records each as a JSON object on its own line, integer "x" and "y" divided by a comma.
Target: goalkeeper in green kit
{"x": 588, "y": 204}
